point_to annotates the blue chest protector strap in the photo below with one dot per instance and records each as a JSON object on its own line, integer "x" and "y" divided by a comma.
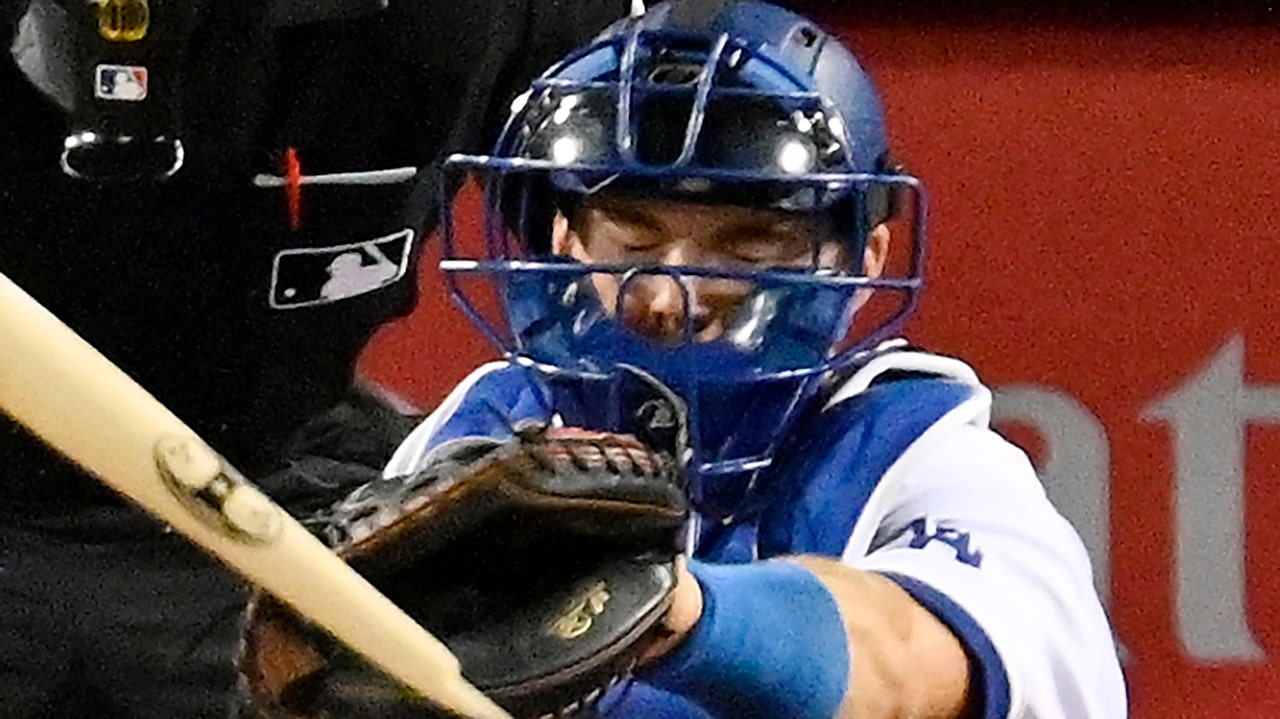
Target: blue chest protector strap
{"x": 826, "y": 478}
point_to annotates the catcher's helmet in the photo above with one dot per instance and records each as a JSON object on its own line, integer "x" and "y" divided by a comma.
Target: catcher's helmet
{"x": 739, "y": 103}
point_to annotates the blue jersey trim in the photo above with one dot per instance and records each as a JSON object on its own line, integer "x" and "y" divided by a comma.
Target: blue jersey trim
{"x": 991, "y": 680}
{"x": 770, "y": 643}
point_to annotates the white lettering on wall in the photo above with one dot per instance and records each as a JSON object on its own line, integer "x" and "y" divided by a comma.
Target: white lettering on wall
{"x": 1208, "y": 415}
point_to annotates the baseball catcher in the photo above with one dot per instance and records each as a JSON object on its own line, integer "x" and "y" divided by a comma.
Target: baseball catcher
{"x": 706, "y": 193}
{"x": 544, "y": 561}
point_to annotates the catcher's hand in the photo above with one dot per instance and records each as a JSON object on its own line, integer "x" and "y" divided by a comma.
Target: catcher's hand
{"x": 544, "y": 562}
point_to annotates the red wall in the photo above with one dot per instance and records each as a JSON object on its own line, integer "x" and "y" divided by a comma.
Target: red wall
{"x": 1104, "y": 223}
{"x": 1105, "y": 219}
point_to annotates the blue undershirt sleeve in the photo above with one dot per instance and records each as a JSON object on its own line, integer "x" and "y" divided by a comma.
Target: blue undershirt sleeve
{"x": 770, "y": 643}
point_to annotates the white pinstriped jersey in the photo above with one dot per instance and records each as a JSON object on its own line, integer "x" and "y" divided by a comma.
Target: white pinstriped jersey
{"x": 899, "y": 474}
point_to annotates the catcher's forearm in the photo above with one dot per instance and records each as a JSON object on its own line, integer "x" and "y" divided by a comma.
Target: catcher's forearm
{"x": 844, "y": 643}
{"x": 72, "y": 397}
{"x": 908, "y": 663}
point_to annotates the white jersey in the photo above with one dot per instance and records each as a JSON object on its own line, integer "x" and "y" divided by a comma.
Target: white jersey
{"x": 900, "y": 474}
{"x": 962, "y": 513}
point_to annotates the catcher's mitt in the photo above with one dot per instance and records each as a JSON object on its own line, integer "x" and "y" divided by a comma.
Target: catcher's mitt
{"x": 544, "y": 562}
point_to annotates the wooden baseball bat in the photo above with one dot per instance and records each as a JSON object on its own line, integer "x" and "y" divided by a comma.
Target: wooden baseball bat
{"x": 77, "y": 401}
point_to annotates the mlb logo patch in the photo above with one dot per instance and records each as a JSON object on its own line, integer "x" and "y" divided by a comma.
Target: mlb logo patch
{"x": 120, "y": 82}
{"x": 307, "y": 276}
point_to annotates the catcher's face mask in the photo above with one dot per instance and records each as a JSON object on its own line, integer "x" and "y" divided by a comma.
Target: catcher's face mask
{"x": 697, "y": 203}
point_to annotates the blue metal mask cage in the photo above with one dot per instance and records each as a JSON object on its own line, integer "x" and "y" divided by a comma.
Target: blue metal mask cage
{"x": 710, "y": 118}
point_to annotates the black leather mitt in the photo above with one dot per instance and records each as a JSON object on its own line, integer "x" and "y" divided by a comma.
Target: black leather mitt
{"x": 544, "y": 562}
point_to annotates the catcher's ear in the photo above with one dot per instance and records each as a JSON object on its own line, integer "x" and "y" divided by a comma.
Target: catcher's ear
{"x": 566, "y": 241}
{"x": 561, "y": 235}
{"x": 877, "y": 253}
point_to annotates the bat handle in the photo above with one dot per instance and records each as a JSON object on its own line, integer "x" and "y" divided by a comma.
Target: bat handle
{"x": 219, "y": 495}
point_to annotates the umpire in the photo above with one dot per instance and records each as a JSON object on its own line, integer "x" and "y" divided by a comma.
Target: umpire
{"x": 221, "y": 197}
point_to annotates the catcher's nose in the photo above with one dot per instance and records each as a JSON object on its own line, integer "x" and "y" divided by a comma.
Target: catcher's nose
{"x": 669, "y": 309}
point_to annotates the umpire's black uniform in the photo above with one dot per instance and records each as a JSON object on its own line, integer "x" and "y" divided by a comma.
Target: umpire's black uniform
{"x": 240, "y": 308}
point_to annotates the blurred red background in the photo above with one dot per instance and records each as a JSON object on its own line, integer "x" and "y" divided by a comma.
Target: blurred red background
{"x": 1104, "y": 228}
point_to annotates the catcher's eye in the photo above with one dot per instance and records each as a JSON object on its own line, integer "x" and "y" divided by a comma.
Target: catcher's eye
{"x": 768, "y": 251}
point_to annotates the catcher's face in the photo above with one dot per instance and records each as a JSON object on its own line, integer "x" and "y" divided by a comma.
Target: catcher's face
{"x": 676, "y": 234}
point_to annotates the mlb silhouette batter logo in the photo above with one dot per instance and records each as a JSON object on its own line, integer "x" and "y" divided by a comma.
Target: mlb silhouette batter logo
{"x": 120, "y": 82}
{"x": 306, "y": 276}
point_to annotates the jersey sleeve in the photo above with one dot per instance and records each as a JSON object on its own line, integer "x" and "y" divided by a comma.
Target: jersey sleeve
{"x": 964, "y": 526}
